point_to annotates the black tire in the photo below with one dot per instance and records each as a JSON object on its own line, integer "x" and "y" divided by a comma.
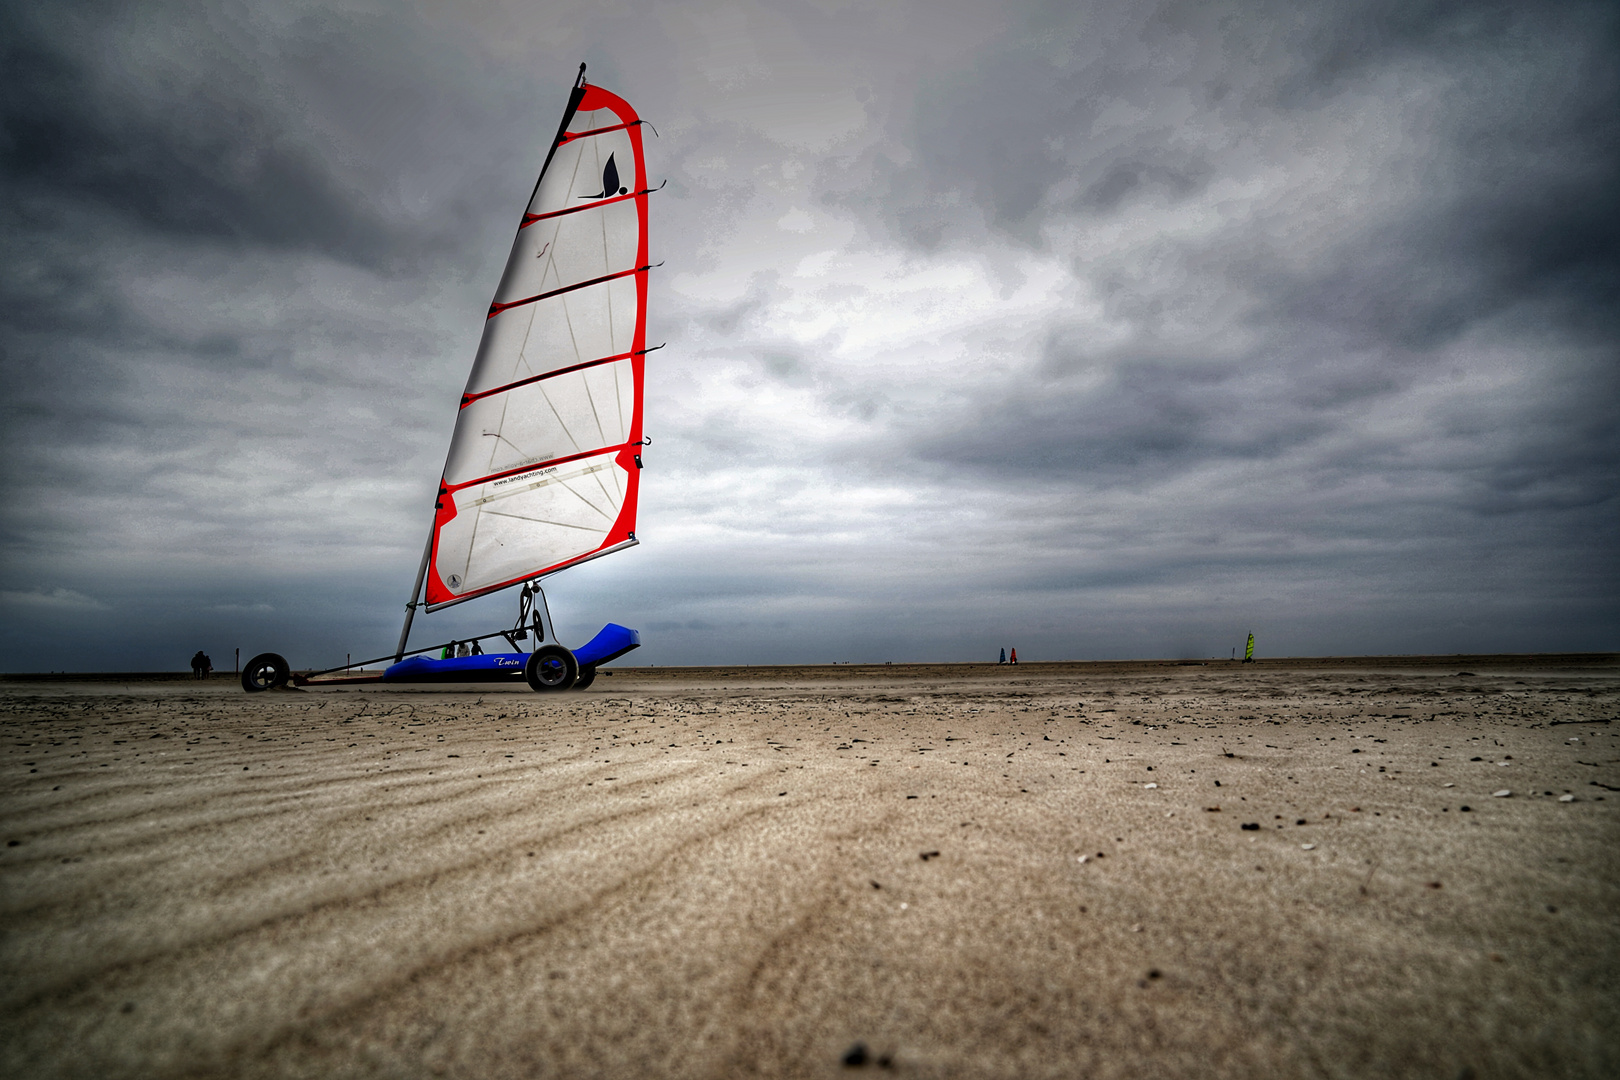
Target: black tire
{"x": 267, "y": 671}
{"x": 587, "y": 675}
{"x": 551, "y": 668}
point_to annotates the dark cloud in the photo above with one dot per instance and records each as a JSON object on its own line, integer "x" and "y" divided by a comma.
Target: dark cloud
{"x": 209, "y": 155}
{"x": 1477, "y": 273}
{"x": 1097, "y": 330}
{"x": 1140, "y": 420}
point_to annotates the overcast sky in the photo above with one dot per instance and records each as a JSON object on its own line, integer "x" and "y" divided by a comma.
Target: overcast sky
{"x": 1112, "y": 330}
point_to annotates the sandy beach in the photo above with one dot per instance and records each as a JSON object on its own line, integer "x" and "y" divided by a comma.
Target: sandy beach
{"x": 1339, "y": 868}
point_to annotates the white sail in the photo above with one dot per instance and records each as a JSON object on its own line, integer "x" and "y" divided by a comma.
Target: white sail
{"x": 543, "y": 468}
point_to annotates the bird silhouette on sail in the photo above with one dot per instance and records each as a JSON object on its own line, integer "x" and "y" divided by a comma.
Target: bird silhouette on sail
{"x": 610, "y": 182}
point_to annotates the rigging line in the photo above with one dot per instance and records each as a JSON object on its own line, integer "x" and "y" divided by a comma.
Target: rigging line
{"x": 545, "y": 521}
{"x": 496, "y": 309}
{"x": 468, "y": 399}
{"x": 530, "y": 219}
{"x": 451, "y": 489}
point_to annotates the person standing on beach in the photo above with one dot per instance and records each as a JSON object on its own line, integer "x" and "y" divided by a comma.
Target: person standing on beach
{"x": 197, "y": 663}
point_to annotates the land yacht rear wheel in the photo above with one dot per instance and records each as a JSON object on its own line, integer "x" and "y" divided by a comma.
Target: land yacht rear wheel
{"x": 267, "y": 671}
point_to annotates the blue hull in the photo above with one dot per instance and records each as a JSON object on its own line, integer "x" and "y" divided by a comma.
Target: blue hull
{"x": 491, "y": 667}
{"x": 613, "y": 642}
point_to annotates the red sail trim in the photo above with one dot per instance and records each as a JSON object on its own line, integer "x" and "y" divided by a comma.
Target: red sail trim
{"x": 496, "y": 309}
{"x": 530, "y": 219}
{"x": 468, "y": 399}
{"x": 534, "y": 465}
{"x": 570, "y": 136}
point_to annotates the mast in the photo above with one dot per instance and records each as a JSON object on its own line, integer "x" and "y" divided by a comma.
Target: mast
{"x": 416, "y": 594}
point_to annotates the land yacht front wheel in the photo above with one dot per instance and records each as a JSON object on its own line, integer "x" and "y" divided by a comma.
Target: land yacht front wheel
{"x": 551, "y": 667}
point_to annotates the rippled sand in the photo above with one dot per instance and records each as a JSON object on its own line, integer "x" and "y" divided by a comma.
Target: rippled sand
{"x": 966, "y": 870}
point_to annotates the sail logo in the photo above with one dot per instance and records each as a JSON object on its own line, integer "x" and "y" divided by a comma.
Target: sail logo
{"x": 525, "y": 476}
{"x": 455, "y": 581}
{"x": 610, "y": 182}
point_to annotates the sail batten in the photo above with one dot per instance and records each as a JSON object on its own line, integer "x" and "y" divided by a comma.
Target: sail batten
{"x": 467, "y": 399}
{"x": 543, "y": 467}
{"x": 497, "y": 308}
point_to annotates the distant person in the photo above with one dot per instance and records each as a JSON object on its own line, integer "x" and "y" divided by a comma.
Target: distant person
{"x": 461, "y": 650}
{"x": 449, "y": 651}
{"x": 208, "y": 666}
{"x": 477, "y": 649}
{"x": 198, "y": 662}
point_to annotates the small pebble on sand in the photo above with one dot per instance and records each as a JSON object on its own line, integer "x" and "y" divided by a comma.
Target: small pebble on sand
{"x": 1566, "y": 798}
{"x": 1308, "y": 847}
{"x": 1504, "y": 793}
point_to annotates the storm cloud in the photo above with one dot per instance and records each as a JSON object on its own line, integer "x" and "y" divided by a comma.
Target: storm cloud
{"x": 1097, "y": 330}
